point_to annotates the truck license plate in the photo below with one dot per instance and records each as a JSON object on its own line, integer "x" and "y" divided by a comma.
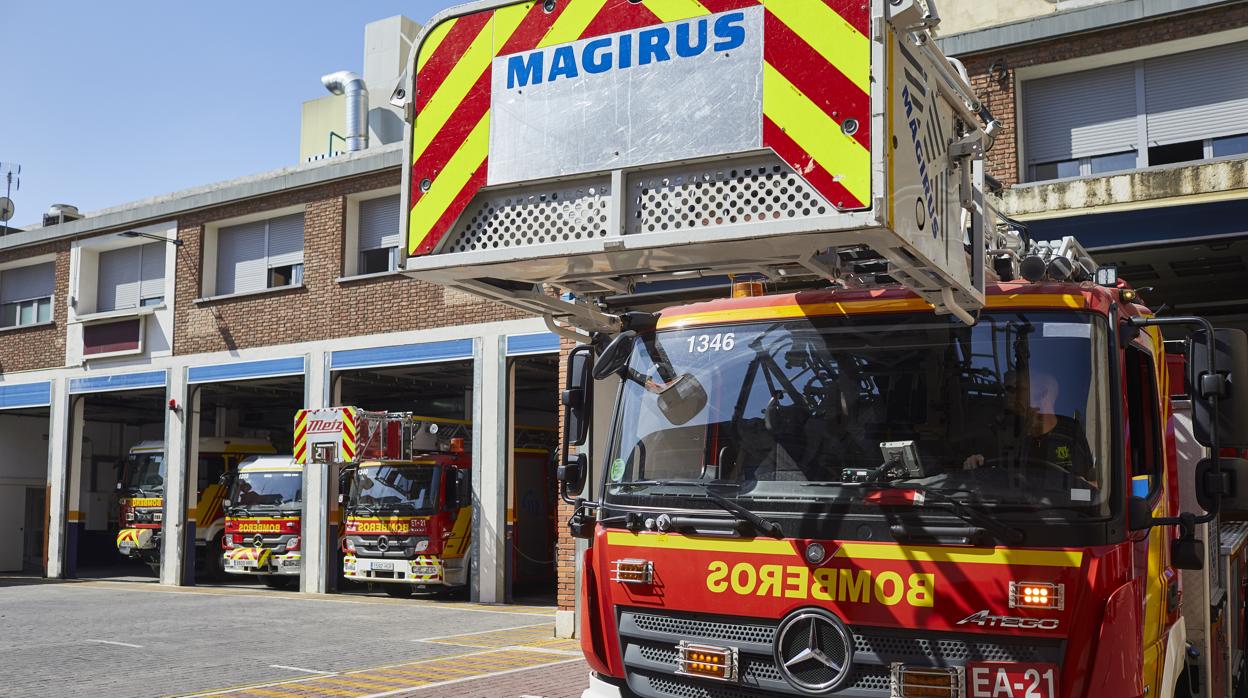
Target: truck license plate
{"x": 1011, "y": 680}
{"x": 383, "y": 565}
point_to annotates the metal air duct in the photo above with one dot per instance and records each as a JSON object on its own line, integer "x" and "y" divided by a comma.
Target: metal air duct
{"x": 352, "y": 85}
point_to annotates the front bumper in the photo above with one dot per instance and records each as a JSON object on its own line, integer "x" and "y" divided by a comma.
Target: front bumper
{"x": 133, "y": 542}
{"x": 421, "y": 570}
{"x": 599, "y": 688}
{"x": 262, "y": 561}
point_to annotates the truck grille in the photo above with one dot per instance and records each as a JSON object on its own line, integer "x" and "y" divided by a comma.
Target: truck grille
{"x": 648, "y": 641}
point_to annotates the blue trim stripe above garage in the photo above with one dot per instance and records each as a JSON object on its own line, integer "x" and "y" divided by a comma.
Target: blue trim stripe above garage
{"x": 401, "y": 354}
{"x": 120, "y": 381}
{"x": 25, "y": 395}
{"x": 540, "y": 343}
{"x": 246, "y": 369}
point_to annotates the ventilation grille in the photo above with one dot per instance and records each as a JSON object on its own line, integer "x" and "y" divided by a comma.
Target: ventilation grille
{"x": 521, "y": 217}
{"x": 757, "y": 190}
{"x": 945, "y": 652}
{"x": 688, "y": 627}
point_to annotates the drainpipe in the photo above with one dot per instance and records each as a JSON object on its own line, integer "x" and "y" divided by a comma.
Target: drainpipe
{"x": 352, "y": 85}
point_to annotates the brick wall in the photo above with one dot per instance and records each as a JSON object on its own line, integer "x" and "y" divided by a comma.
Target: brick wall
{"x": 565, "y": 548}
{"x": 41, "y": 346}
{"x": 323, "y": 308}
{"x": 1001, "y": 94}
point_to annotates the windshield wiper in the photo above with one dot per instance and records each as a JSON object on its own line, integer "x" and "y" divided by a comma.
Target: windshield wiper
{"x": 764, "y": 526}
{"x": 1004, "y": 532}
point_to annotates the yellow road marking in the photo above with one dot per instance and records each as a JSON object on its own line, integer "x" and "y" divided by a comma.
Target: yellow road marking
{"x": 323, "y": 690}
{"x": 268, "y": 692}
{"x": 352, "y": 681}
{"x": 838, "y": 41}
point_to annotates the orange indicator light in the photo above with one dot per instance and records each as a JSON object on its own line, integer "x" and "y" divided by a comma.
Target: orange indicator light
{"x": 1037, "y": 595}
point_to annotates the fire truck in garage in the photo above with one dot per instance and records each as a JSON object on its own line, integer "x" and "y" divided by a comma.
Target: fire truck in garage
{"x": 915, "y": 453}
{"x": 263, "y": 513}
{"x": 406, "y": 491}
{"x": 142, "y": 490}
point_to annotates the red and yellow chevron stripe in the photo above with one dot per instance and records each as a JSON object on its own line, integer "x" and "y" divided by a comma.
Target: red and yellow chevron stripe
{"x": 350, "y": 430}
{"x": 816, "y": 76}
{"x": 301, "y": 437}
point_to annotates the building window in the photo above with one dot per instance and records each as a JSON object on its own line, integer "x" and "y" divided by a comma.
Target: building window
{"x": 131, "y": 277}
{"x": 379, "y": 235}
{"x": 26, "y": 295}
{"x": 1184, "y": 107}
{"x": 259, "y": 255}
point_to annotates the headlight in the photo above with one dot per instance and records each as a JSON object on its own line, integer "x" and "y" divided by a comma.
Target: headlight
{"x": 421, "y": 545}
{"x": 130, "y": 515}
{"x": 293, "y": 544}
{"x": 158, "y": 517}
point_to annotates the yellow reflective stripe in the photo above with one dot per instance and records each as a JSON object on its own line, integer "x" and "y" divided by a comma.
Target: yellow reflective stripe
{"x": 983, "y": 556}
{"x": 450, "y": 182}
{"x": 451, "y": 93}
{"x": 432, "y": 41}
{"x": 674, "y": 542}
{"x": 676, "y": 10}
{"x": 829, "y": 34}
{"x": 506, "y": 21}
{"x": 817, "y": 133}
{"x": 1037, "y": 300}
{"x": 572, "y": 22}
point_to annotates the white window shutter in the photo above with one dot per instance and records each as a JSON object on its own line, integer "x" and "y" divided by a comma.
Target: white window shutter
{"x": 27, "y": 283}
{"x": 152, "y": 271}
{"x": 285, "y": 240}
{"x": 379, "y": 222}
{"x": 1082, "y": 114}
{"x": 1197, "y": 95}
{"x": 118, "y": 287}
{"x": 240, "y": 258}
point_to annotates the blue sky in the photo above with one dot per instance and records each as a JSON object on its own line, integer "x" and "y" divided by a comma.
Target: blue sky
{"x": 103, "y": 103}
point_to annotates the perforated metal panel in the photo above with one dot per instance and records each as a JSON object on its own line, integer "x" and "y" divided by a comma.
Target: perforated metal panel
{"x": 533, "y": 216}
{"x": 755, "y": 190}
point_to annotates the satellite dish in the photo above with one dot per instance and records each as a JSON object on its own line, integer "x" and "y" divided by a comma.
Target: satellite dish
{"x": 6, "y": 209}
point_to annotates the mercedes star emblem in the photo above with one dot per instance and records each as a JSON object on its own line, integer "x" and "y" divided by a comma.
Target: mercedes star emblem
{"x": 814, "y": 651}
{"x": 258, "y": 541}
{"x": 383, "y": 543}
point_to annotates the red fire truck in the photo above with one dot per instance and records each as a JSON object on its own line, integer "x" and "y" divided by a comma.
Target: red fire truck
{"x": 916, "y": 453}
{"x": 405, "y": 488}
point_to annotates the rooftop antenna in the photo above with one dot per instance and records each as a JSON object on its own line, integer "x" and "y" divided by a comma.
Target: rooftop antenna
{"x": 12, "y": 182}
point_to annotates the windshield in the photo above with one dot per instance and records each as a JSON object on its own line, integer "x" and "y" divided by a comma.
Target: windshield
{"x": 145, "y": 473}
{"x": 273, "y": 491}
{"x": 1010, "y": 413}
{"x": 395, "y": 489}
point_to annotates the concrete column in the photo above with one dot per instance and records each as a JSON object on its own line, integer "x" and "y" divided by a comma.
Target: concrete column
{"x": 319, "y": 539}
{"x": 58, "y": 477}
{"x": 74, "y": 519}
{"x": 178, "y": 529}
{"x": 194, "y": 431}
{"x": 489, "y": 459}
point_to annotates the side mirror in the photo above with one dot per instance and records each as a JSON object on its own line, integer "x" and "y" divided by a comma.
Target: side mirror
{"x": 1232, "y": 484}
{"x": 1230, "y": 349}
{"x": 682, "y": 399}
{"x": 574, "y": 472}
{"x": 615, "y": 356}
{"x": 1187, "y": 553}
{"x": 578, "y": 396}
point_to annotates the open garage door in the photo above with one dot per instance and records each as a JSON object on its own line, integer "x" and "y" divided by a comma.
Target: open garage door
{"x": 243, "y": 411}
{"x": 433, "y": 380}
{"x": 116, "y": 478}
{"x": 532, "y": 508}
{"x": 24, "y": 429}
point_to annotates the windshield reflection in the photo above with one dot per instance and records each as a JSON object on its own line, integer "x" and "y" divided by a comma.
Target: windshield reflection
{"x": 145, "y": 473}
{"x": 268, "y": 490}
{"x": 405, "y": 489}
{"x": 1010, "y": 413}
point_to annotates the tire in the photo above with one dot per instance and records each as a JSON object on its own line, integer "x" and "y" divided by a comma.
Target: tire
{"x": 398, "y": 591}
{"x": 273, "y": 581}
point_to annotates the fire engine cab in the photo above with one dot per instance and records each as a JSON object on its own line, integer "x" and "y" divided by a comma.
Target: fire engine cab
{"x": 405, "y": 490}
{"x": 833, "y": 426}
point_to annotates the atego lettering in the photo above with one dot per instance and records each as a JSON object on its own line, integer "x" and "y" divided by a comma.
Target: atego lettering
{"x": 657, "y": 44}
{"x": 824, "y": 584}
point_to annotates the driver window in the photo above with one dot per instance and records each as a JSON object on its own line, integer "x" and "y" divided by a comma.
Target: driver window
{"x": 210, "y": 468}
{"x": 1143, "y": 424}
